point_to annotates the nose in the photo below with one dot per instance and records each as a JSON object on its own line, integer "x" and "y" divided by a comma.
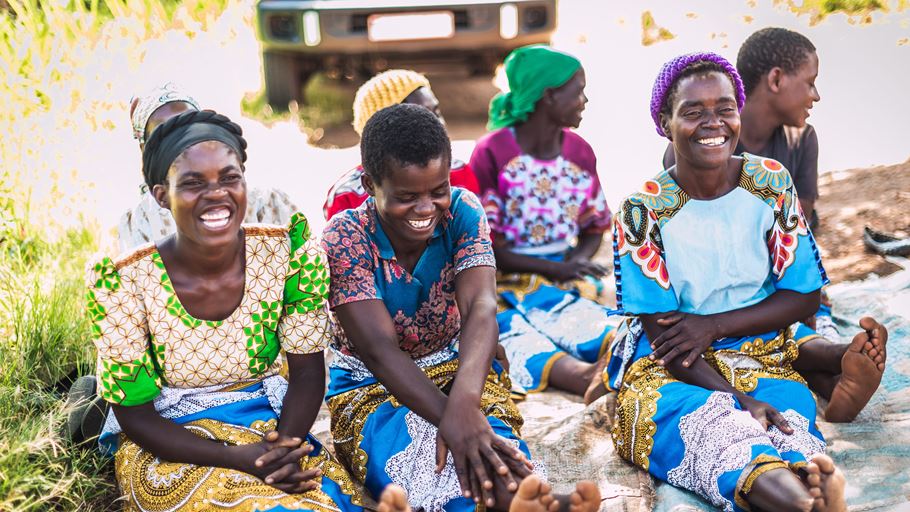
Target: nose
{"x": 215, "y": 189}
{"x": 424, "y": 206}
{"x": 815, "y": 95}
{"x": 712, "y": 119}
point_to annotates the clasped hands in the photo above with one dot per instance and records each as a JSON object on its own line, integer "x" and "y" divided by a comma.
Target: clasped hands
{"x": 479, "y": 454}
{"x": 276, "y": 460}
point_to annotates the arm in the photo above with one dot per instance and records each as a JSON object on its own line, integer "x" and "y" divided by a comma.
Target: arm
{"x": 475, "y": 294}
{"x": 588, "y": 244}
{"x": 576, "y": 266}
{"x": 689, "y": 335}
{"x": 306, "y": 375}
{"x": 369, "y": 327}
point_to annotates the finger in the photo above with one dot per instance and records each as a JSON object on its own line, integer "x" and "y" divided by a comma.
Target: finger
{"x": 464, "y": 479}
{"x": 287, "y": 442}
{"x": 484, "y": 479}
{"x": 271, "y": 436}
{"x": 500, "y": 468}
{"x": 442, "y": 452}
{"x": 305, "y": 475}
{"x": 693, "y": 355}
{"x": 519, "y": 468}
{"x": 670, "y": 356}
{"x": 780, "y": 422}
{"x": 670, "y": 320}
{"x": 666, "y": 337}
{"x": 271, "y": 456}
{"x": 282, "y": 473}
{"x": 292, "y": 457}
{"x": 511, "y": 452}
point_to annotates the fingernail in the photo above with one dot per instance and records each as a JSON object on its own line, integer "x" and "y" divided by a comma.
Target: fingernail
{"x": 268, "y": 480}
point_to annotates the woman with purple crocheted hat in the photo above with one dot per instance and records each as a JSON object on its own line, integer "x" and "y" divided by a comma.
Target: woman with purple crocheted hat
{"x": 715, "y": 253}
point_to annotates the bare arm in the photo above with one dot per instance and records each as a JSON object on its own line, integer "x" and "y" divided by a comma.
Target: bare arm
{"x": 577, "y": 265}
{"x": 306, "y": 388}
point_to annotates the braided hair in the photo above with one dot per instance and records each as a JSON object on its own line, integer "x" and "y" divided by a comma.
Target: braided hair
{"x": 769, "y": 48}
{"x": 178, "y": 133}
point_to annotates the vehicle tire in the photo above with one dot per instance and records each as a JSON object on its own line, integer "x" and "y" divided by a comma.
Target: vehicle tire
{"x": 283, "y": 82}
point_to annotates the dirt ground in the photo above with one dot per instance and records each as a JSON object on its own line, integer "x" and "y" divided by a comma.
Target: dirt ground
{"x": 878, "y": 197}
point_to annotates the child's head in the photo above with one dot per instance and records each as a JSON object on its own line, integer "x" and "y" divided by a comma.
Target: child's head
{"x": 783, "y": 63}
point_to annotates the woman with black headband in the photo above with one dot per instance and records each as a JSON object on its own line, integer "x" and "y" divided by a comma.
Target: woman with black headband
{"x": 188, "y": 333}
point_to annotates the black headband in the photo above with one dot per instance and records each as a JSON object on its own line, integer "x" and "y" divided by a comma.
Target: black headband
{"x": 178, "y": 133}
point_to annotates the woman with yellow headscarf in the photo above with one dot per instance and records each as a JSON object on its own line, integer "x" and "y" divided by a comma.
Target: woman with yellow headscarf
{"x": 547, "y": 212}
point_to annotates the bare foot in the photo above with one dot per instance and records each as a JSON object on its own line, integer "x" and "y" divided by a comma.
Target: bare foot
{"x": 861, "y": 372}
{"x": 812, "y": 479}
{"x": 832, "y": 486}
{"x": 586, "y": 497}
{"x": 393, "y": 499}
{"x": 534, "y": 495}
{"x": 596, "y": 388}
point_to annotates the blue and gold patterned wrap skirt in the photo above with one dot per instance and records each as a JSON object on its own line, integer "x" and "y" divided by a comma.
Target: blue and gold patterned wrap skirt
{"x": 540, "y": 322}
{"x": 234, "y": 415}
{"x": 703, "y": 440}
{"x": 381, "y": 441}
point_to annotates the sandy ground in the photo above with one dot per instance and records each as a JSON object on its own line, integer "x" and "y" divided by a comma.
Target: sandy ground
{"x": 878, "y": 197}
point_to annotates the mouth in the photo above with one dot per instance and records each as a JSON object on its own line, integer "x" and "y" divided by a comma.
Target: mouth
{"x": 713, "y": 142}
{"x": 421, "y": 224}
{"x": 216, "y": 218}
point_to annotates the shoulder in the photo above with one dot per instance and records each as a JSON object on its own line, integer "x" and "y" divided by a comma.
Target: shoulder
{"x": 348, "y": 228}
{"x": 465, "y": 202}
{"x": 764, "y": 177}
{"x": 576, "y": 148}
{"x": 660, "y": 195}
{"x": 800, "y": 138}
{"x": 106, "y": 272}
{"x": 500, "y": 144}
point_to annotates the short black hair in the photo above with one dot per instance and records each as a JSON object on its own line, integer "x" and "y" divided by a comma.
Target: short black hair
{"x": 769, "y": 48}
{"x": 402, "y": 135}
{"x": 699, "y": 68}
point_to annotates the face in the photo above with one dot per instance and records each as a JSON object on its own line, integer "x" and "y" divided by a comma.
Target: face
{"x": 797, "y": 92}
{"x": 206, "y": 193}
{"x": 567, "y": 102}
{"x": 162, "y": 114}
{"x": 704, "y": 120}
{"x": 424, "y": 97}
{"x": 412, "y": 200}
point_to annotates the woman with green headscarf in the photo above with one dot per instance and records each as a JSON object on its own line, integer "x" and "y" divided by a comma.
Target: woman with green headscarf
{"x": 547, "y": 212}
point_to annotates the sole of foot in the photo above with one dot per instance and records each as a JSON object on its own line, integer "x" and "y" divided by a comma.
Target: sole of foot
{"x": 534, "y": 495}
{"x": 832, "y": 485}
{"x": 586, "y": 497}
{"x": 596, "y": 388}
{"x": 812, "y": 479}
{"x": 862, "y": 368}
{"x": 393, "y": 499}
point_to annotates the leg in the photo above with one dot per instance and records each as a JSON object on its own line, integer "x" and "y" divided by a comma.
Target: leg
{"x": 572, "y": 375}
{"x": 862, "y": 365}
{"x": 780, "y": 489}
{"x": 596, "y": 387}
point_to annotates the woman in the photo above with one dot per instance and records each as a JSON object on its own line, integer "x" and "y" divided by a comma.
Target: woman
{"x": 716, "y": 249}
{"x": 547, "y": 213}
{"x": 148, "y": 222}
{"x": 384, "y": 90}
{"x": 188, "y": 332}
{"x": 415, "y": 396}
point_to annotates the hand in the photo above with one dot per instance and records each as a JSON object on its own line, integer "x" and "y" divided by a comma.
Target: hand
{"x": 764, "y": 413}
{"x": 576, "y": 268}
{"x": 685, "y": 334}
{"x": 465, "y": 432}
{"x": 276, "y": 460}
{"x": 501, "y": 357}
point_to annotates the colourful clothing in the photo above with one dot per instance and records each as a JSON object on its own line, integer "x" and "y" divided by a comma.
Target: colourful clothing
{"x": 540, "y": 208}
{"x": 674, "y": 253}
{"x": 347, "y": 193}
{"x": 220, "y": 378}
{"x": 148, "y": 222}
{"x": 378, "y": 439}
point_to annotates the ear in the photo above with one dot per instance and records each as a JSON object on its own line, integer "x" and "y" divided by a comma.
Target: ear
{"x": 368, "y": 184}
{"x": 774, "y": 78}
{"x": 665, "y": 125}
{"x": 160, "y": 193}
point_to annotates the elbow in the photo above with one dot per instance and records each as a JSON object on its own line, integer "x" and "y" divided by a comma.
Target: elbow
{"x": 811, "y": 303}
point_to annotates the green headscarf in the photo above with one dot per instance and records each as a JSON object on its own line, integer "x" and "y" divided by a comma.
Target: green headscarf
{"x": 531, "y": 70}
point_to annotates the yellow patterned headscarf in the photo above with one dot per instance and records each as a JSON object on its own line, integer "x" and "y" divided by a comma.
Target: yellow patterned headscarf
{"x": 384, "y": 90}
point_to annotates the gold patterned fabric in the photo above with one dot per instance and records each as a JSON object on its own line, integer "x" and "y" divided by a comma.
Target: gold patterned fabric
{"x": 146, "y": 339}
{"x": 154, "y": 485}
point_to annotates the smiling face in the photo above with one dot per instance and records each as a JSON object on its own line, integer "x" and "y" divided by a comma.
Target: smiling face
{"x": 567, "y": 102}
{"x": 797, "y": 92}
{"x": 206, "y": 193}
{"x": 704, "y": 120}
{"x": 412, "y": 200}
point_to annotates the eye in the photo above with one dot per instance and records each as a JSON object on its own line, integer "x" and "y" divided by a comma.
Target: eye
{"x": 692, "y": 114}
{"x": 407, "y": 198}
{"x": 231, "y": 178}
{"x": 191, "y": 183}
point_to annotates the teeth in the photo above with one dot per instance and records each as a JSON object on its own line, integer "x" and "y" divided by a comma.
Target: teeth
{"x": 420, "y": 224}
{"x": 221, "y": 213}
{"x": 713, "y": 141}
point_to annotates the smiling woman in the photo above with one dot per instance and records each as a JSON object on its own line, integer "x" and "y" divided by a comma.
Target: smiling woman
{"x": 188, "y": 332}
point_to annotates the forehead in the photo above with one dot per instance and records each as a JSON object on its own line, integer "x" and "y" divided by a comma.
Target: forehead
{"x": 210, "y": 154}
{"x": 415, "y": 176}
{"x": 422, "y": 96}
{"x": 809, "y": 66}
{"x": 703, "y": 87}
{"x": 578, "y": 79}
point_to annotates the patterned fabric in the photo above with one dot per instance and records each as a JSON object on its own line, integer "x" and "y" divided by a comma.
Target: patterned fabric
{"x": 348, "y": 193}
{"x": 242, "y": 417}
{"x": 539, "y": 206}
{"x": 381, "y": 442}
{"x": 756, "y": 239}
{"x": 148, "y": 222}
{"x": 145, "y": 338}
{"x": 147, "y": 104}
{"x": 421, "y": 304}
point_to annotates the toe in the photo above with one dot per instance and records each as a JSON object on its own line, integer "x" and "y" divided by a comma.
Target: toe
{"x": 825, "y": 464}
{"x": 529, "y": 488}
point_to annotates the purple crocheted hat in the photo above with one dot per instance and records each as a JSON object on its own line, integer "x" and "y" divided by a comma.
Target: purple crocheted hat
{"x": 670, "y": 72}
